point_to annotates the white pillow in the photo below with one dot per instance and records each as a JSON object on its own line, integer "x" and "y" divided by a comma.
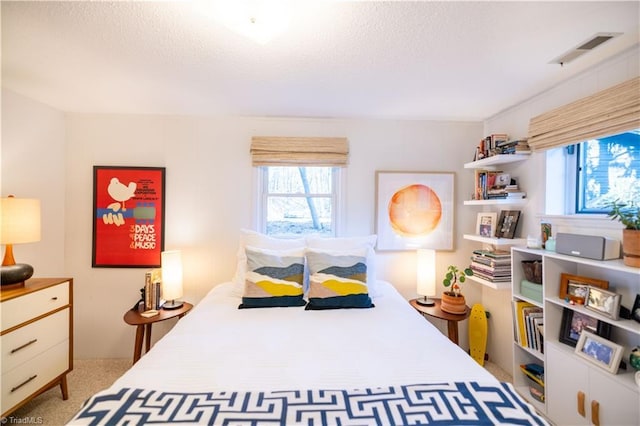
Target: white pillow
{"x": 260, "y": 241}
{"x": 350, "y": 243}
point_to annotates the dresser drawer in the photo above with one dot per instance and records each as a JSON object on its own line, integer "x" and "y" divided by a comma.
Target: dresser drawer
{"x": 28, "y": 378}
{"x": 26, "y": 342}
{"x": 24, "y": 308}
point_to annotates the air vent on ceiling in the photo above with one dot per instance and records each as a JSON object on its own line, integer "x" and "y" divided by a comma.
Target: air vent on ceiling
{"x": 584, "y": 47}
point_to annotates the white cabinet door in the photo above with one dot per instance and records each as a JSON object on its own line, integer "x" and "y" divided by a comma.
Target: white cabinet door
{"x": 564, "y": 377}
{"x": 619, "y": 405}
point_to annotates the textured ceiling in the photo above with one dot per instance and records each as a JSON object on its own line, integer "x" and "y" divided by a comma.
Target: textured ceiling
{"x": 417, "y": 60}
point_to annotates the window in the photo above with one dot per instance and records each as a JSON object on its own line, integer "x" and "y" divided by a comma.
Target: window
{"x": 298, "y": 200}
{"x": 607, "y": 169}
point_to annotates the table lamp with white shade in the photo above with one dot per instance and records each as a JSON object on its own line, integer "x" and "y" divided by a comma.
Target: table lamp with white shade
{"x": 19, "y": 223}
{"x": 426, "y": 276}
{"x": 171, "y": 278}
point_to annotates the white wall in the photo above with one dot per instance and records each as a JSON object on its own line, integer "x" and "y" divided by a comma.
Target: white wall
{"x": 33, "y": 166}
{"x": 515, "y": 122}
{"x": 209, "y": 197}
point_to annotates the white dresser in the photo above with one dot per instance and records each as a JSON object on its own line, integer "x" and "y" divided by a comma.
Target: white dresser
{"x": 36, "y": 340}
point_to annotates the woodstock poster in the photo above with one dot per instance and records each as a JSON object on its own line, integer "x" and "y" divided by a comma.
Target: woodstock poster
{"x": 128, "y": 216}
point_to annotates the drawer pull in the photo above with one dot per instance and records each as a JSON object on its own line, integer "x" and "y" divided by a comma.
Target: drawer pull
{"x": 23, "y": 383}
{"x": 23, "y": 346}
{"x": 54, "y": 298}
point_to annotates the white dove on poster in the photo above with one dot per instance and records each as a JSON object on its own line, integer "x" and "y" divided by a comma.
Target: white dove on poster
{"x": 121, "y": 192}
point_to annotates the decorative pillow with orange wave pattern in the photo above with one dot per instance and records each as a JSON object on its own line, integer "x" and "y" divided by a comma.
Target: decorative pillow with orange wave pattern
{"x": 337, "y": 280}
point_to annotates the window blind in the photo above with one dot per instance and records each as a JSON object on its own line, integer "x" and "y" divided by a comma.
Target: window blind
{"x": 299, "y": 151}
{"x": 611, "y": 111}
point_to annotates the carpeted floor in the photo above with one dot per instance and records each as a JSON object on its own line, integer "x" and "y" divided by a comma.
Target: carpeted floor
{"x": 92, "y": 375}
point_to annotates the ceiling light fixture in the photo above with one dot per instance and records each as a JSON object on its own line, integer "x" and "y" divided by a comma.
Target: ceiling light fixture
{"x": 259, "y": 20}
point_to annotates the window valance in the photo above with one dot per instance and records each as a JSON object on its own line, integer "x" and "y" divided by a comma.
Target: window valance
{"x": 299, "y": 151}
{"x": 611, "y": 111}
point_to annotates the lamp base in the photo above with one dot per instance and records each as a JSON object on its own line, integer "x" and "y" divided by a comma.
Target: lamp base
{"x": 425, "y": 301}
{"x": 15, "y": 275}
{"x": 172, "y": 304}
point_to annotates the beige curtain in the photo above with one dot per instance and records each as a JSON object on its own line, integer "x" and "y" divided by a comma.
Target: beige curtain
{"x": 611, "y": 111}
{"x": 299, "y": 151}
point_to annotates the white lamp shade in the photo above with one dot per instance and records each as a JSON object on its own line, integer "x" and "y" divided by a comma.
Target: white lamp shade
{"x": 19, "y": 220}
{"x": 171, "y": 274}
{"x": 426, "y": 272}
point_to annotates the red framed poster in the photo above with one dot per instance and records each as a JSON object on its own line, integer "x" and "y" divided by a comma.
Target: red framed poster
{"x": 128, "y": 216}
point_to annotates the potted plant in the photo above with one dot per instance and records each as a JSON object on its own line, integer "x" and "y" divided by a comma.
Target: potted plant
{"x": 629, "y": 216}
{"x": 452, "y": 300}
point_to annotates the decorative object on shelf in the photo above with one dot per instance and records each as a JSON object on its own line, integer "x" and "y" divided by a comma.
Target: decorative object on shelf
{"x": 550, "y": 244}
{"x": 486, "y": 224}
{"x": 128, "y": 216}
{"x": 629, "y": 216}
{"x": 507, "y": 223}
{"x": 414, "y": 210}
{"x": 545, "y": 232}
{"x": 426, "y": 276}
{"x": 634, "y": 358}
{"x": 532, "y": 270}
{"x": 171, "y": 279}
{"x": 575, "y": 288}
{"x": 604, "y": 302}
{"x": 635, "y": 311}
{"x": 19, "y": 223}
{"x": 453, "y": 301}
{"x": 600, "y": 351}
{"x": 573, "y": 323}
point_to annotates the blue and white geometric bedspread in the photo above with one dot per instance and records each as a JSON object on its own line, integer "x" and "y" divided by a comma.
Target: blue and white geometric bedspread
{"x": 467, "y": 403}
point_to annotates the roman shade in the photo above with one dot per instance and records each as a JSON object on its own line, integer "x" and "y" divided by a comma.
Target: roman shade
{"x": 299, "y": 151}
{"x": 611, "y": 111}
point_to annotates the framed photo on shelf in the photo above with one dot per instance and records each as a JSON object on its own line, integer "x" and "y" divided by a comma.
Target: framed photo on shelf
{"x": 574, "y": 323}
{"x": 635, "y": 311}
{"x": 507, "y": 223}
{"x": 414, "y": 210}
{"x": 599, "y": 351}
{"x": 128, "y": 216}
{"x": 604, "y": 302}
{"x": 576, "y": 288}
{"x": 486, "y": 224}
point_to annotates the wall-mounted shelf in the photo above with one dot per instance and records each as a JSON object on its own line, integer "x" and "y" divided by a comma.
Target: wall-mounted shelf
{"x": 495, "y": 241}
{"x": 497, "y": 202}
{"x": 487, "y": 163}
{"x": 491, "y": 284}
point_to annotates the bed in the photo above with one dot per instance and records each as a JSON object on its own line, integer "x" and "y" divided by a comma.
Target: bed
{"x": 380, "y": 365}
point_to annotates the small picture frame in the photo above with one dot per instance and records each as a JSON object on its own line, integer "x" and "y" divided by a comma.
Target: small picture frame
{"x": 574, "y": 323}
{"x": 576, "y": 288}
{"x": 604, "y": 302}
{"x": 635, "y": 311}
{"x": 507, "y": 223}
{"x": 599, "y": 351}
{"x": 486, "y": 224}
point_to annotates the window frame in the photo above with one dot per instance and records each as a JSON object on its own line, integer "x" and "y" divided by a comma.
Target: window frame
{"x": 261, "y": 188}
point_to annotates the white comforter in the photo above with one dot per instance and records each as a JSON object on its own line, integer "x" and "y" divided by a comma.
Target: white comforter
{"x": 219, "y": 347}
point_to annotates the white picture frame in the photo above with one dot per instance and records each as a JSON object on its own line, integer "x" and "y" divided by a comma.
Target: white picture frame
{"x": 599, "y": 351}
{"x": 486, "y": 224}
{"x": 415, "y": 210}
{"x": 604, "y": 302}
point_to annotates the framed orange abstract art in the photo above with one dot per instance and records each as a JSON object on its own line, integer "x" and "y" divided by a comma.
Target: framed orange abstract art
{"x": 128, "y": 216}
{"x": 414, "y": 210}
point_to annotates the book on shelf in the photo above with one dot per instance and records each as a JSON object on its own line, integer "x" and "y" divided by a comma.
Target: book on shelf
{"x": 527, "y": 329}
{"x": 152, "y": 289}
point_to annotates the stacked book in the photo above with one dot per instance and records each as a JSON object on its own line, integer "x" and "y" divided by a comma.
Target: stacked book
{"x": 514, "y": 192}
{"x": 528, "y": 325}
{"x": 492, "y": 265}
{"x": 518, "y": 146}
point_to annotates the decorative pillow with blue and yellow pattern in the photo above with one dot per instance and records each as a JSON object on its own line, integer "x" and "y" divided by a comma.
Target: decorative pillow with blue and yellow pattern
{"x": 337, "y": 280}
{"x": 273, "y": 279}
